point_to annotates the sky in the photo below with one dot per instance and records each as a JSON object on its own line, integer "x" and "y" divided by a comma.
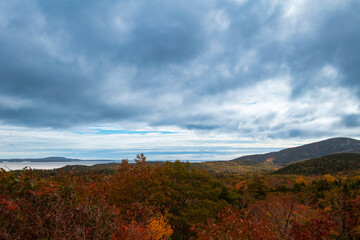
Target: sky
{"x": 188, "y": 80}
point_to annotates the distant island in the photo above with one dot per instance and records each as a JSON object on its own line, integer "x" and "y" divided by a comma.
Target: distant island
{"x": 47, "y": 159}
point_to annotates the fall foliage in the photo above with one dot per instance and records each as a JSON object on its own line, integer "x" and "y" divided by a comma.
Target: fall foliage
{"x": 176, "y": 201}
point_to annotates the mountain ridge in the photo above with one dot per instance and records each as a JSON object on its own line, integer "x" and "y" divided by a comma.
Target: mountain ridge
{"x": 304, "y": 152}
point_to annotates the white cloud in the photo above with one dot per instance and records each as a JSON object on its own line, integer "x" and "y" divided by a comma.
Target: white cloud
{"x": 217, "y": 71}
{"x": 217, "y": 20}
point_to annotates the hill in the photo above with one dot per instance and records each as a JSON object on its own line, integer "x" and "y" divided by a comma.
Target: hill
{"x": 335, "y": 163}
{"x": 308, "y": 151}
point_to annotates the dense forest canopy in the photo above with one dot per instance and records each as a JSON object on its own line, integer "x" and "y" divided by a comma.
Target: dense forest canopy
{"x": 177, "y": 201}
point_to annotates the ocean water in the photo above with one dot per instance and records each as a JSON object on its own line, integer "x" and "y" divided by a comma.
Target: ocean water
{"x": 46, "y": 165}
{"x": 52, "y": 165}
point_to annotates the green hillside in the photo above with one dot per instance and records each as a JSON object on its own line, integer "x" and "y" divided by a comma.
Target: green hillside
{"x": 335, "y": 163}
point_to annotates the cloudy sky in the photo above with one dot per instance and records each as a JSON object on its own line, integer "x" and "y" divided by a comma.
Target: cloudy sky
{"x": 206, "y": 79}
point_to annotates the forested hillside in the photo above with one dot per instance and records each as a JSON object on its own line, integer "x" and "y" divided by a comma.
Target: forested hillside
{"x": 335, "y": 163}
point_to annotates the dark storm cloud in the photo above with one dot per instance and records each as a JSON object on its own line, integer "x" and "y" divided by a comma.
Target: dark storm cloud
{"x": 352, "y": 120}
{"x": 298, "y": 133}
{"x": 159, "y": 31}
{"x": 67, "y": 63}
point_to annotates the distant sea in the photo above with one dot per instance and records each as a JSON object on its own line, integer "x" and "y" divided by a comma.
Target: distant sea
{"x": 53, "y": 165}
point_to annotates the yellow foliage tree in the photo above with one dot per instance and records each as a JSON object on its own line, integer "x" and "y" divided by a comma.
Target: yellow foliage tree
{"x": 301, "y": 180}
{"x": 329, "y": 178}
{"x": 159, "y": 228}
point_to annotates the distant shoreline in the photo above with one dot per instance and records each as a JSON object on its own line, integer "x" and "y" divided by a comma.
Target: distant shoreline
{"x": 51, "y": 159}
{"x": 18, "y": 164}
{"x": 29, "y": 161}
